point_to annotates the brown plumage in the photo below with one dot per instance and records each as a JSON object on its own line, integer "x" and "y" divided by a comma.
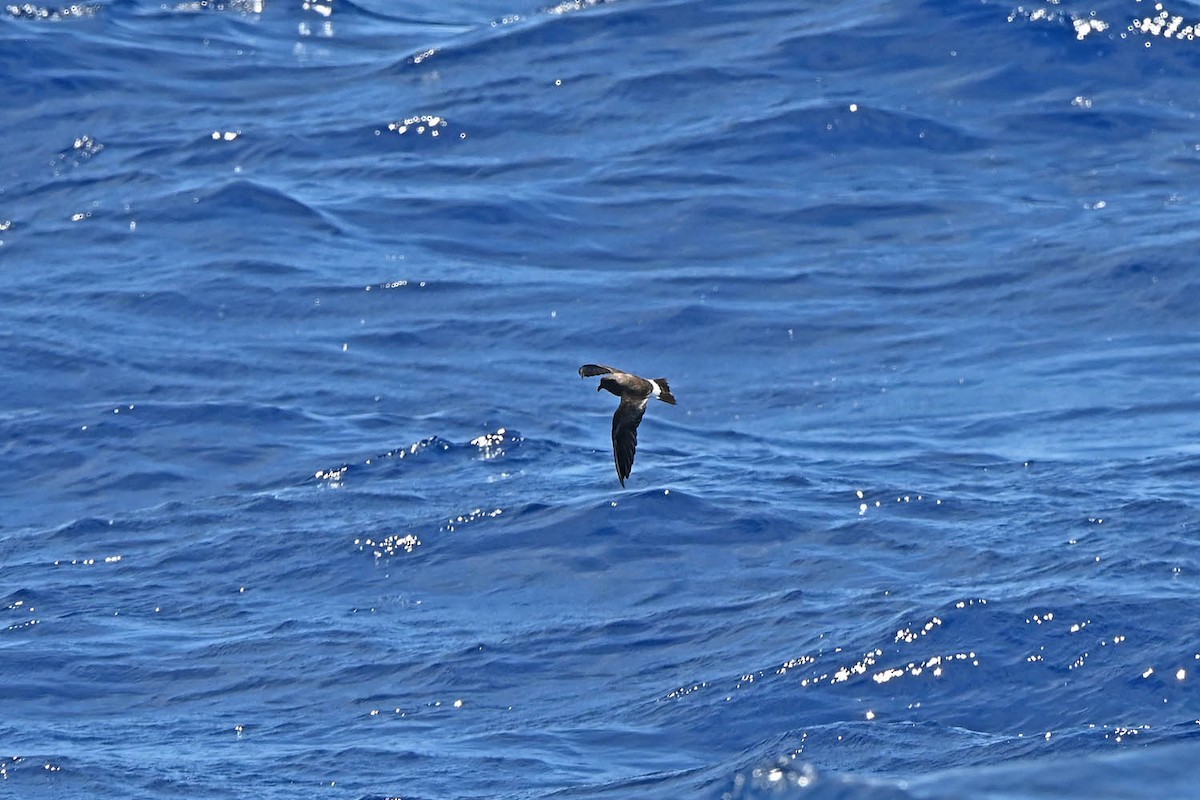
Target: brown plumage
{"x": 635, "y": 393}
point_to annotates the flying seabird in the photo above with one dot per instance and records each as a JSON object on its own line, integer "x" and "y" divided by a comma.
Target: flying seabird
{"x": 635, "y": 393}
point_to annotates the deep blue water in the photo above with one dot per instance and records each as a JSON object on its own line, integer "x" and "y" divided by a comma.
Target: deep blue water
{"x": 302, "y": 496}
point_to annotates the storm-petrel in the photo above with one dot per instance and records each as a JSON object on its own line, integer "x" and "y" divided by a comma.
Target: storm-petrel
{"x": 634, "y": 392}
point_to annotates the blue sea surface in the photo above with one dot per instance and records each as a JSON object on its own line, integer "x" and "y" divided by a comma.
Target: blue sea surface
{"x": 301, "y": 494}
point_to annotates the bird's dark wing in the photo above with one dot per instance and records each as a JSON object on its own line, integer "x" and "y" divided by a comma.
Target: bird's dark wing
{"x": 625, "y": 424}
{"x": 592, "y": 370}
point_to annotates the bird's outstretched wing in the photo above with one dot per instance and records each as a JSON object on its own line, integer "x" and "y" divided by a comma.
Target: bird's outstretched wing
{"x": 592, "y": 370}
{"x": 624, "y": 434}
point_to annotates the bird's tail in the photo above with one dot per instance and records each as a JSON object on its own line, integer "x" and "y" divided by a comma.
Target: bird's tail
{"x": 664, "y": 393}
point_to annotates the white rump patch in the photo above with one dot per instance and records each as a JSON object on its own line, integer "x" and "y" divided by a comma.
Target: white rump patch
{"x": 654, "y": 390}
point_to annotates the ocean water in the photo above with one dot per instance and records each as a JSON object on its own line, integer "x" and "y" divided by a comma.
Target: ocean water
{"x": 302, "y": 496}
